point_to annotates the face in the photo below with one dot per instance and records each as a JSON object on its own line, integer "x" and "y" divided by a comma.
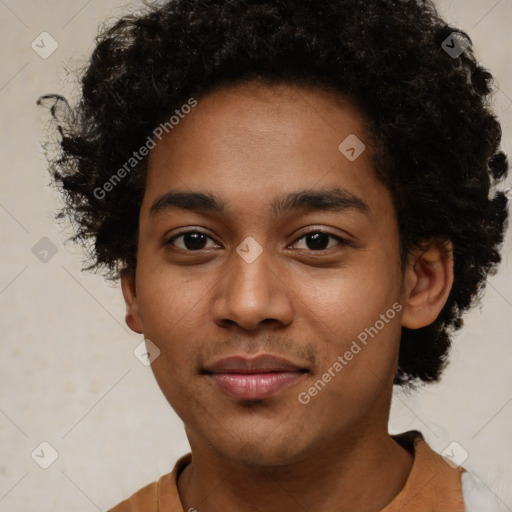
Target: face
{"x": 275, "y": 297}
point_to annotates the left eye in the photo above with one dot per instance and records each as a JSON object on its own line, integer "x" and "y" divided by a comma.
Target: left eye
{"x": 319, "y": 240}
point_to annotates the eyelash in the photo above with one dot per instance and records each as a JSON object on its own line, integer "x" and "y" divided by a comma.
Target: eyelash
{"x": 342, "y": 241}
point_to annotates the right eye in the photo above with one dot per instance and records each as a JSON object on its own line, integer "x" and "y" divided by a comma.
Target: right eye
{"x": 190, "y": 241}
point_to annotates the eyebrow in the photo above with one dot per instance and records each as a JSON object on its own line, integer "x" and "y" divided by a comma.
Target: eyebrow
{"x": 333, "y": 200}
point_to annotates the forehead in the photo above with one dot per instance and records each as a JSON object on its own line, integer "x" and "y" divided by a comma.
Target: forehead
{"x": 250, "y": 141}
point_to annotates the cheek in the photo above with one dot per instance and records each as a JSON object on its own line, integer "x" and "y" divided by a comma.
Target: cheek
{"x": 355, "y": 316}
{"x": 170, "y": 302}
{"x": 170, "y": 312}
{"x": 358, "y": 357}
{"x": 347, "y": 301}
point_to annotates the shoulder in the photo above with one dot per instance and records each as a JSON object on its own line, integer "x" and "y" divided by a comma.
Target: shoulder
{"x": 478, "y": 497}
{"x": 160, "y": 494}
{"x": 144, "y": 500}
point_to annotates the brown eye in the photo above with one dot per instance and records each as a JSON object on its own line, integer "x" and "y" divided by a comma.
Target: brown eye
{"x": 190, "y": 240}
{"x": 319, "y": 240}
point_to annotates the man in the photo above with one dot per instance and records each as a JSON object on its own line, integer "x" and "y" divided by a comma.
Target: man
{"x": 294, "y": 232}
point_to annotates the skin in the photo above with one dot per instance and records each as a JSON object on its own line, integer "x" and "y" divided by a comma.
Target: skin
{"x": 249, "y": 144}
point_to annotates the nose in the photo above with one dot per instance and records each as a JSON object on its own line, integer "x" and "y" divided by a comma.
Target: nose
{"x": 253, "y": 293}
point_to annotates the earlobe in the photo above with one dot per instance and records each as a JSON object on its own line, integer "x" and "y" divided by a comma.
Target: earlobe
{"x": 428, "y": 281}
{"x": 132, "y": 317}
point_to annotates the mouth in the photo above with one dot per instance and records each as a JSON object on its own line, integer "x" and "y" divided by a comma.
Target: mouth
{"x": 258, "y": 378}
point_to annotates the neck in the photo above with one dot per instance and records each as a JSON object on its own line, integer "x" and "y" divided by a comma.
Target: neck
{"x": 360, "y": 472}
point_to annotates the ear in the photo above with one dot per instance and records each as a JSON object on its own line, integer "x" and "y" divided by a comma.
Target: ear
{"x": 427, "y": 283}
{"x": 132, "y": 318}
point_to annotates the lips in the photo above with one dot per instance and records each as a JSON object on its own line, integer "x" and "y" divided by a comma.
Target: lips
{"x": 258, "y": 378}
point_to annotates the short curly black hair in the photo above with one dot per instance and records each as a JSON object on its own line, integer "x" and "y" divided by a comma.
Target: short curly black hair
{"x": 436, "y": 140}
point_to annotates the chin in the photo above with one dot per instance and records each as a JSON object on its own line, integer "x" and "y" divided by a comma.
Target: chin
{"x": 257, "y": 451}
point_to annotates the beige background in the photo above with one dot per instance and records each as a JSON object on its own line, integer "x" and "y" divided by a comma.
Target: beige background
{"x": 69, "y": 376}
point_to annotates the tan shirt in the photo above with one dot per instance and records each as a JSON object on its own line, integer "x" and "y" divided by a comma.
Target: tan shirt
{"x": 432, "y": 486}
